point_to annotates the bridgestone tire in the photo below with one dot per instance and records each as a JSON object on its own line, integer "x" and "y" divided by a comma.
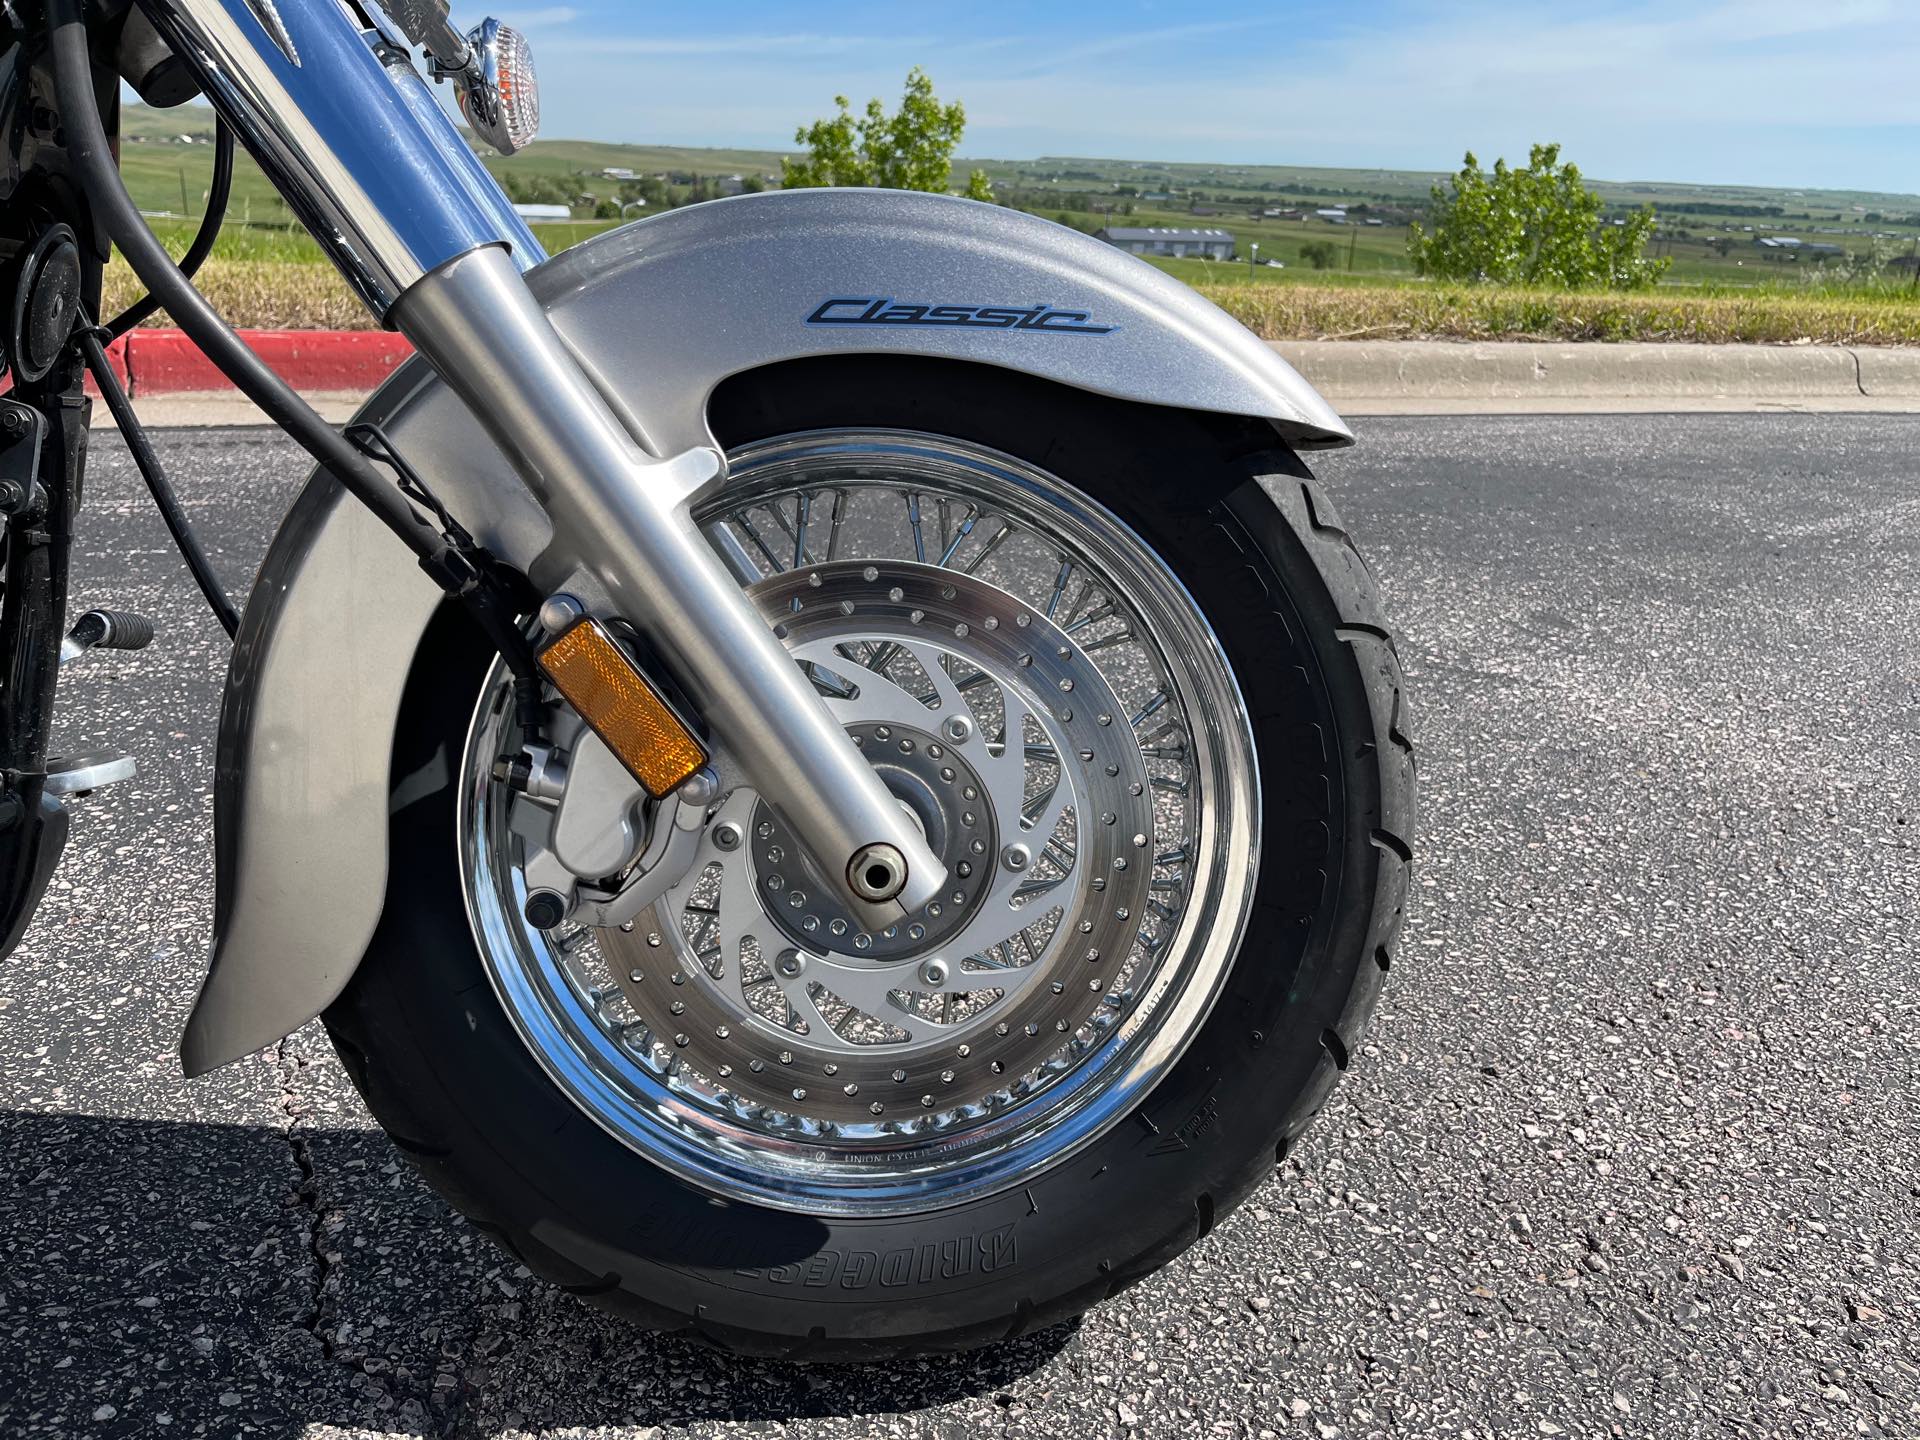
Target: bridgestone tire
{"x": 1262, "y": 551}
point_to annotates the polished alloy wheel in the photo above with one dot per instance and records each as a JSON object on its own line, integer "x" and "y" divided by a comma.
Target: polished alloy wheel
{"x": 1046, "y": 701}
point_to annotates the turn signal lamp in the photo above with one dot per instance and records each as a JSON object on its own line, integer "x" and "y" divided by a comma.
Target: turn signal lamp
{"x": 613, "y": 697}
{"x": 498, "y": 94}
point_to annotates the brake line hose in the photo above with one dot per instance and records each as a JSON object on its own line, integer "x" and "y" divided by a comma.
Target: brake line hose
{"x": 218, "y": 190}
{"x": 451, "y": 567}
{"x": 100, "y": 176}
{"x": 164, "y": 499}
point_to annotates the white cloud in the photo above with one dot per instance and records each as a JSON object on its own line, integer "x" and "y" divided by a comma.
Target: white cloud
{"x": 1130, "y": 42}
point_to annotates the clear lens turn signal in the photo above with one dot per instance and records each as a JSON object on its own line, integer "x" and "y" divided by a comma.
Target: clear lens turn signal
{"x": 500, "y": 95}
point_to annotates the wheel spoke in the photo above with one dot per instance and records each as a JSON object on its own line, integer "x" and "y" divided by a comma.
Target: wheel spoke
{"x": 1021, "y": 688}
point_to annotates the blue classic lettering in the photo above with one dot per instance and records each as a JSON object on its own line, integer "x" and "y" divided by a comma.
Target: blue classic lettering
{"x": 883, "y": 310}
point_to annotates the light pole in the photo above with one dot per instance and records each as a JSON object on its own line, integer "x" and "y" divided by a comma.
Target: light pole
{"x": 1253, "y": 258}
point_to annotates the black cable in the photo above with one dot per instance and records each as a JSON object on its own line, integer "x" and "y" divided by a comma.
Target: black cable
{"x": 202, "y": 246}
{"x": 87, "y": 145}
{"x": 143, "y": 456}
{"x": 461, "y": 574}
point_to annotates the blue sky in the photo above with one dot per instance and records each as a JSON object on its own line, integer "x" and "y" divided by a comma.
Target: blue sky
{"x": 1767, "y": 92}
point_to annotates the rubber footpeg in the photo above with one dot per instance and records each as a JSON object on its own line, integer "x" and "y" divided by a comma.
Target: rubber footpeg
{"x": 112, "y": 630}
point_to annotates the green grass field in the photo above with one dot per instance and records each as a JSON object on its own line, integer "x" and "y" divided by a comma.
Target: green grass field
{"x": 269, "y": 272}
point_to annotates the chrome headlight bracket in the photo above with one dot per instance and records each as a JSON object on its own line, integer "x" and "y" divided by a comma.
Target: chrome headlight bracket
{"x": 491, "y": 68}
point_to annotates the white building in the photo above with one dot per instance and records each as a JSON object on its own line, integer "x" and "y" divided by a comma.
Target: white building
{"x": 1174, "y": 244}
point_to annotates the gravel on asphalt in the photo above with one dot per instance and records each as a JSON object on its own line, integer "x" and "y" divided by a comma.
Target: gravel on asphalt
{"x": 1633, "y": 1147}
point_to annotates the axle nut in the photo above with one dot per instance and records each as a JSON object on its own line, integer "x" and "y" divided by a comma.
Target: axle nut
{"x": 877, "y": 873}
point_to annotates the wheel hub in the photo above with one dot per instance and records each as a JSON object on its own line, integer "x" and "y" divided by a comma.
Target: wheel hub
{"x": 775, "y": 994}
{"x": 995, "y": 611}
{"x": 940, "y": 790}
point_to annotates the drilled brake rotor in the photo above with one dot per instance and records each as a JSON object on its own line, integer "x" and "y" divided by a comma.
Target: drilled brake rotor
{"x": 1001, "y": 737}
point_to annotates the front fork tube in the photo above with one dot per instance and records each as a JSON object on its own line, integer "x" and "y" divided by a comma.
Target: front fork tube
{"x": 622, "y": 515}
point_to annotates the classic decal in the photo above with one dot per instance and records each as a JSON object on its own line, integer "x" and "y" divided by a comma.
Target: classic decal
{"x": 878, "y": 310}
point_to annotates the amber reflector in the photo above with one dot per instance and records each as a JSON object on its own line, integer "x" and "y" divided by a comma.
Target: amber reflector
{"x": 599, "y": 681}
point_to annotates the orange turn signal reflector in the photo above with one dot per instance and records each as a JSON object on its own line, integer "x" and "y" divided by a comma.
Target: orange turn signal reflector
{"x": 600, "y": 682}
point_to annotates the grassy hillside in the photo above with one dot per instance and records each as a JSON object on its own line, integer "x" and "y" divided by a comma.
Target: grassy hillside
{"x": 1709, "y": 230}
{"x": 1368, "y": 286}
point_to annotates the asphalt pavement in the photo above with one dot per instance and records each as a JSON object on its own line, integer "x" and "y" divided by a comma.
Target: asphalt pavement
{"x": 1632, "y": 1148}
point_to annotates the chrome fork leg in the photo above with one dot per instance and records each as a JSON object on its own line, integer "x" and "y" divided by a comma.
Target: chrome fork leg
{"x": 622, "y": 515}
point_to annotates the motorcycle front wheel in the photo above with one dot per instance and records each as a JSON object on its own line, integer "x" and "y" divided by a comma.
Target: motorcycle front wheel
{"x": 1127, "y": 671}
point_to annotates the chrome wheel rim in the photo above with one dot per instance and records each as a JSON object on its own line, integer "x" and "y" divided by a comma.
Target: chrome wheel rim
{"x": 1047, "y": 700}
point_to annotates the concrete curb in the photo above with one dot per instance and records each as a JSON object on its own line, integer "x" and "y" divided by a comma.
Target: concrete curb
{"x": 172, "y": 383}
{"x": 1438, "y": 376}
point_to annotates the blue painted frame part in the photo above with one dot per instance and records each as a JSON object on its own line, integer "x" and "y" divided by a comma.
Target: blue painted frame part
{"x": 350, "y": 135}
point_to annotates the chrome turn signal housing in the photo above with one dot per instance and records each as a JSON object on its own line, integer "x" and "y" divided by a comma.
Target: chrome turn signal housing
{"x": 499, "y": 94}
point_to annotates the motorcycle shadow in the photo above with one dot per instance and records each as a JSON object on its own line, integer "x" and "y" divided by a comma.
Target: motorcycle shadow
{"x": 161, "y": 1277}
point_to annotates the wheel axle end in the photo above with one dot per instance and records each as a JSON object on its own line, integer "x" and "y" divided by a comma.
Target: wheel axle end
{"x": 877, "y": 873}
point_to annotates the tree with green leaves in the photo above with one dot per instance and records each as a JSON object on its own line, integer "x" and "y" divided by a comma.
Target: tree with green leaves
{"x": 911, "y": 149}
{"x": 535, "y": 189}
{"x": 1540, "y": 226}
{"x": 1320, "y": 254}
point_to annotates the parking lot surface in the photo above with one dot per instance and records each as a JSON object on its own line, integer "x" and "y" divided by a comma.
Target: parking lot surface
{"x": 1632, "y": 1148}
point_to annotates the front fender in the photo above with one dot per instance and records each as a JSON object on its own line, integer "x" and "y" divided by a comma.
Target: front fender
{"x": 659, "y": 313}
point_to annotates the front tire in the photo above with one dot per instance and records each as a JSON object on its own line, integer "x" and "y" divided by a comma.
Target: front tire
{"x": 1265, "y": 559}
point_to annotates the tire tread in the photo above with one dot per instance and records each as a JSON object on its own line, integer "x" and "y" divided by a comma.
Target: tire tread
{"x": 1362, "y": 629}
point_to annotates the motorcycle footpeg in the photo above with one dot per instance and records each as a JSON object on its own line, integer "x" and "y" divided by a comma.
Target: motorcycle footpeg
{"x": 80, "y": 775}
{"x": 106, "y": 630}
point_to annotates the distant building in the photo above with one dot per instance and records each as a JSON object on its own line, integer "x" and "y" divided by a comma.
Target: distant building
{"x": 543, "y": 212}
{"x": 617, "y": 172}
{"x": 1335, "y": 215}
{"x": 1174, "y": 244}
{"x": 1791, "y": 246}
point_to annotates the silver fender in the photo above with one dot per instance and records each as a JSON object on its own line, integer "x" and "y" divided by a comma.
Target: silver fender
{"x": 660, "y": 313}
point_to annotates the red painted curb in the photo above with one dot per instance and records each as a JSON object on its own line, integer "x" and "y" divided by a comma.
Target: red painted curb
{"x": 166, "y": 362}
{"x": 153, "y": 362}
{"x": 116, "y": 358}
